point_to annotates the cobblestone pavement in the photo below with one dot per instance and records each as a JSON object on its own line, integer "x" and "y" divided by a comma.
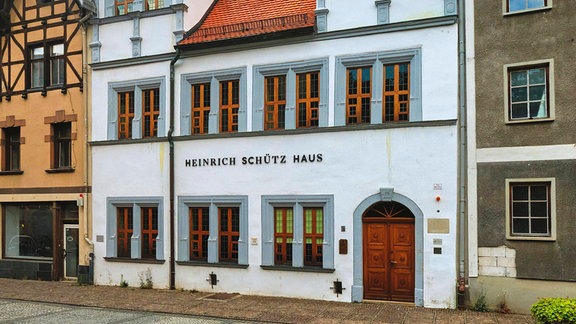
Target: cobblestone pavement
{"x": 241, "y": 307}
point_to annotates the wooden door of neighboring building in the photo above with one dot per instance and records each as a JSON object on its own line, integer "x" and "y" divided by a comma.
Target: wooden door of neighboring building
{"x": 388, "y": 250}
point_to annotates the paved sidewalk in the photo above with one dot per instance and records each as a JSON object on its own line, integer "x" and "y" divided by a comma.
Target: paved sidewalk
{"x": 242, "y": 307}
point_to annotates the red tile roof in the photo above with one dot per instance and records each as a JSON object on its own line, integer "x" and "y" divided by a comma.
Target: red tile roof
{"x": 231, "y": 19}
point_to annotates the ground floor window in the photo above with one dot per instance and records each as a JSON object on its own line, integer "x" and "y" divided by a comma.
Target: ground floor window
{"x": 135, "y": 228}
{"x": 213, "y": 229}
{"x": 297, "y": 231}
{"x": 28, "y": 230}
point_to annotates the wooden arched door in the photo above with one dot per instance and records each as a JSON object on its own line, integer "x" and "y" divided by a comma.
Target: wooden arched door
{"x": 388, "y": 251}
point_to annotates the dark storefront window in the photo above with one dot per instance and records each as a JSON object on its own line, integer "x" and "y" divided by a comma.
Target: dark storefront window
{"x": 28, "y": 231}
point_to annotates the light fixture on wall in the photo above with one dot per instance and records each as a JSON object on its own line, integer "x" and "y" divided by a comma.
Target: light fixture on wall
{"x": 212, "y": 279}
{"x": 337, "y": 287}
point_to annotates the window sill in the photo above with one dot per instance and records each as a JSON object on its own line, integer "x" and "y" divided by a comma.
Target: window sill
{"x": 304, "y": 269}
{"x": 129, "y": 260}
{"x": 11, "y": 172}
{"x": 60, "y": 170}
{"x": 214, "y": 265}
{"x": 531, "y": 238}
{"x": 531, "y": 120}
{"x": 519, "y": 12}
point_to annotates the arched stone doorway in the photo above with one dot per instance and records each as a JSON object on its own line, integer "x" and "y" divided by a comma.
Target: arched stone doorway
{"x": 377, "y": 219}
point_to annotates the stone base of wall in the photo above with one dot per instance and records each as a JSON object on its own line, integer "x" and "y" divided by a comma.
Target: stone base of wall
{"x": 497, "y": 261}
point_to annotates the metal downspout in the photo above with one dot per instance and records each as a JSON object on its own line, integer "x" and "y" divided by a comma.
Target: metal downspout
{"x": 462, "y": 160}
{"x": 171, "y": 143}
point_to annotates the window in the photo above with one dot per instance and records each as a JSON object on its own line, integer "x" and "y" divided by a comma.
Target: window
{"x": 154, "y": 4}
{"x": 290, "y": 95}
{"x": 135, "y": 228}
{"x": 62, "y": 145}
{"x": 308, "y": 99}
{"x": 122, "y": 7}
{"x": 229, "y": 105}
{"x": 297, "y": 232}
{"x": 47, "y": 67}
{"x": 378, "y": 88}
{"x": 512, "y": 6}
{"x": 137, "y": 109}
{"x": 213, "y": 230}
{"x": 28, "y": 230}
{"x": 531, "y": 208}
{"x": 529, "y": 92}
{"x": 359, "y": 95}
{"x": 215, "y": 102}
{"x": 275, "y": 102}
{"x": 396, "y": 92}
{"x": 200, "y": 108}
{"x": 11, "y": 149}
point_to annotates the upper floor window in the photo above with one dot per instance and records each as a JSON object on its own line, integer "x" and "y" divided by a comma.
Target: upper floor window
{"x": 62, "y": 145}
{"x": 275, "y": 102}
{"x": 378, "y": 88}
{"x": 524, "y": 5}
{"x": 123, "y": 7}
{"x": 529, "y": 92}
{"x": 136, "y": 109}
{"x": 307, "y": 99}
{"x": 47, "y": 65}
{"x": 531, "y": 208}
{"x": 200, "y": 108}
{"x": 229, "y": 105}
{"x": 154, "y": 4}
{"x": 11, "y": 149}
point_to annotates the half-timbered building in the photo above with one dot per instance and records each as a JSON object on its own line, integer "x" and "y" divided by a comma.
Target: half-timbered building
{"x": 44, "y": 179}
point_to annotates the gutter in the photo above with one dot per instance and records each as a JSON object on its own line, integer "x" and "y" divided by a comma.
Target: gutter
{"x": 462, "y": 158}
{"x": 171, "y": 143}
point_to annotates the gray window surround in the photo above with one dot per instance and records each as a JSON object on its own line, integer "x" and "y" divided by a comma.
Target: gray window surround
{"x": 135, "y": 243}
{"x": 212, "y": 202}
{"x": 388, "y": 194}
{"x": 298, "y": 202}
{"x": 137, "y": 86}
{"x": 138, "y": 5}
{"x": 289, "y": 70}
{"x": 214, "y": 78}
{"x": 377, "y": 61}
{"x": 505, "y": 11}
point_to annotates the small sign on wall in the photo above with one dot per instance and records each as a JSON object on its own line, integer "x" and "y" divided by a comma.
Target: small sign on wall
{"x": 438, "y": 226}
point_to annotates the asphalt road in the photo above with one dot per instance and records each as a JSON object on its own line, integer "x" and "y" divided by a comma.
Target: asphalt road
{"x": 15, "y": 311}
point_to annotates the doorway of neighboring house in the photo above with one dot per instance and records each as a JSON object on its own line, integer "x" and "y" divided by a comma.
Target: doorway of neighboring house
{"x": 388, "y": 252}
{"x": 70, "y": 252}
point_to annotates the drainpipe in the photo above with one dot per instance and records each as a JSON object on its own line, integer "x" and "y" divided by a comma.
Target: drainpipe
{"x": 463, "y": 160}
{"x": 171, "y": 143}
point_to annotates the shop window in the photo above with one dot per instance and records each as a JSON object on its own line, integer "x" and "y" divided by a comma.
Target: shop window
{"x": 378, "y": 88}
{"x": 213, "y": 102}
{"x": 213, "y": 230}
{"x": 136, "y": 109}
{"x": 531, "y": 211}
{"x": 297, "y": 232}
{"x": 135, "y": 228}
{"x": 28, "y": 231}
{"x": 47, "y": 65}
{"x": 529, "y": 91}
{"x": 290, "y": 95}
{"x": 11, "y": 149}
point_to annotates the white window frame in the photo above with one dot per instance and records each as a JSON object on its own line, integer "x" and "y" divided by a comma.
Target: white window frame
{"x": 298, "y": 203}
{"x": 506, "y": 12}
{"x": 549, "y": 85}
{"x": 552, "y": 236}
{"x": 135, "y": 241}
{"x": 213, "y": 203}
{"x": 137, "y": 86}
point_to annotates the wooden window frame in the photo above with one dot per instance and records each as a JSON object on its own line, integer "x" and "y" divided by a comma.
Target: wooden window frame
{"x": 150, "y": 112}
{"x": 157, "y": 4}
{"x": 550, "y": 201}
{"x": 45, "y": 64}
{"x": 127, "y": 6}
{"x": 229, "y": 105}
{"x": 399, "y": 96}
{"x": 510, "y": 87}
{"x": 314, "y": 233}
{"x": 547, "y": 5}
{"x": 148, "y": 231}
{"x": 355, "y": 113}
{"x": 228, "y": 233}
{"x": 11, "y": 148}
{"x": 62, "y": 145}
{"x": 308, "y": 101}
{"x": 200, "y": 108}
{"x": 283, "y": 236}
{"x": 125, "y": 114}
{"x": 199, "y": 247}
{"x": 275, "y": 102}
{"x": 124, "y": 231}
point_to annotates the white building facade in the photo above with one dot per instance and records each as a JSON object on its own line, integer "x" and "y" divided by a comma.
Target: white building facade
{"x": 299, "y": 167}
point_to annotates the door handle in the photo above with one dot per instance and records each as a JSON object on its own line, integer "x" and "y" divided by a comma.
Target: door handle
{"x": 64, "y": 253}
{"x": 393, "y": 262}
